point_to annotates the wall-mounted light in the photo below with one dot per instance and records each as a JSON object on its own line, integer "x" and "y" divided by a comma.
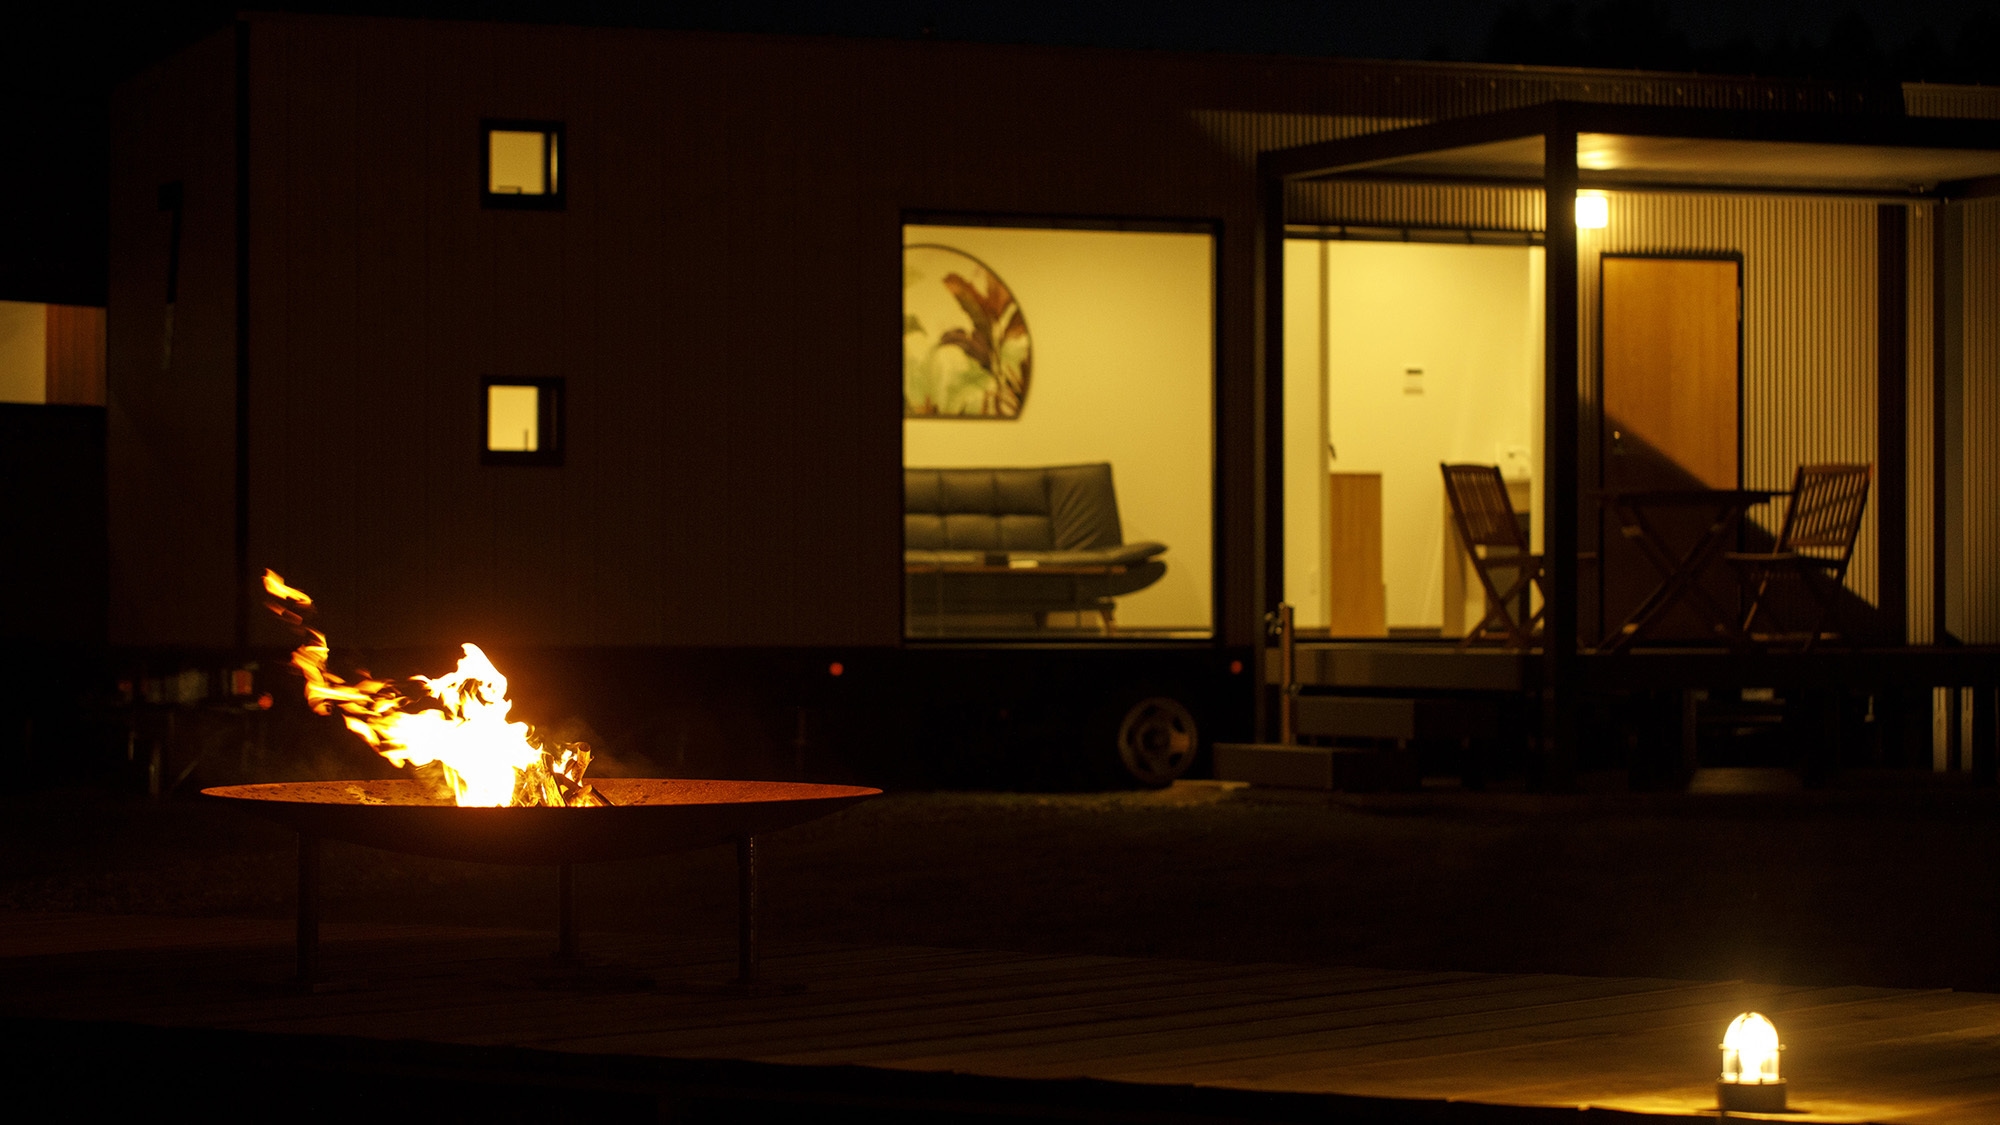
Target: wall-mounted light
{"x": 1750, "y": 1082}
{"x": 1593, "y": 210}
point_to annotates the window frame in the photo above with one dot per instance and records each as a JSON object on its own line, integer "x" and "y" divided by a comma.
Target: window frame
{"x": 554, "y": 137}
{"x": 1219, "y": 576}
{"x": 550, "y": 412}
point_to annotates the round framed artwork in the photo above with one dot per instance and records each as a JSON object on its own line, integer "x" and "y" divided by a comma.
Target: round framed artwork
{"x": 966, "y": 348}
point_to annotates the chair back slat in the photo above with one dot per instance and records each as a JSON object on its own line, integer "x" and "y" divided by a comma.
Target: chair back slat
{"x": 1824, "y": 516}
{"x": 1479, "y": 503}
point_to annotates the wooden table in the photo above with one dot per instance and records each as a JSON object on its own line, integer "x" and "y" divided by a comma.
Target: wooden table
{"x": 1680, "y": 571}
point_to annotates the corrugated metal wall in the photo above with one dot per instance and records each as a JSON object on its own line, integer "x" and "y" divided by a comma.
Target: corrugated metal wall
{"x": 1809, "y": 276}
{"x": 1928, "y": 99}
{"x": 170, "y": 391}
{"x": 1512, "y": 209}
{"x": 1809, "y": 332}
{"x": 1920, "y": 430}
{"x": 1981, "y": 615}
{"x": 1808, "y": 325}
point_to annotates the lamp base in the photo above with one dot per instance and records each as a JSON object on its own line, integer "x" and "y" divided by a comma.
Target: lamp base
{"x": 1751, "y": 1097}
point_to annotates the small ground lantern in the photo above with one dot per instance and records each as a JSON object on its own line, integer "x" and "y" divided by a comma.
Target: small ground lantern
{"x": 1750, "y": 1082}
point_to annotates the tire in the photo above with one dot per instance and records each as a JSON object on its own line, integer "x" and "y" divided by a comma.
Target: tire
{"x": 1157, "y": 741}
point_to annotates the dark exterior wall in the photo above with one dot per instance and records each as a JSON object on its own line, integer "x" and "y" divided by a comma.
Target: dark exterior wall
{"x": 52, "y": 507}
{"x": 171, "y": 432}
{"x": 721, "y": 295}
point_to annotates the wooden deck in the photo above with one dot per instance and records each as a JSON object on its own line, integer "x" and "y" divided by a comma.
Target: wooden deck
{"x": 911, "y": 1030}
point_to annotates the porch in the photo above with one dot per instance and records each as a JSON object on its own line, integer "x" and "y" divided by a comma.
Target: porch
{"x": 1923, "y": 577}
{"x": 1658, "y": 713}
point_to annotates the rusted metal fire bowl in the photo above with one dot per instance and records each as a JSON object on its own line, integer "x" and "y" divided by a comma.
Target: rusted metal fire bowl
{"x": 647, "y": 817}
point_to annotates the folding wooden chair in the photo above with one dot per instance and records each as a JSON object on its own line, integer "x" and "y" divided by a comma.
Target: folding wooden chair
{"x": 1814, "y": 546}
{"x": 1492, "y": 536}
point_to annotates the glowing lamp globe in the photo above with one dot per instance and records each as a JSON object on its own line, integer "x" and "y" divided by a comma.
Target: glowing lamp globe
{"x": 1750, "y": 1082}
{"x": 1593, "y": 212}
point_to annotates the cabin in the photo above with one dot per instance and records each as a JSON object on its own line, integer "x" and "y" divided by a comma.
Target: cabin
{"x": 583, "y": 342}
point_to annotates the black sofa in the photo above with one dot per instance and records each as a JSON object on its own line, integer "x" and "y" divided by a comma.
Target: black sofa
{"x": 1028, "y": 542}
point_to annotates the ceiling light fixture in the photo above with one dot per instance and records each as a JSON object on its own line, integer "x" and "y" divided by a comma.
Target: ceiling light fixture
{"x": 1593, "y": 211}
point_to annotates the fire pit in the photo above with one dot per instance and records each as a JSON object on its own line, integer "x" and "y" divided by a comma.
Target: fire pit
{"x": 499, "y": 791}
{"x": 645, "y": 817}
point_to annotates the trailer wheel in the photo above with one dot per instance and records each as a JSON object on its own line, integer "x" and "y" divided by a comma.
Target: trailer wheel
{"x": 1157, "y": 741}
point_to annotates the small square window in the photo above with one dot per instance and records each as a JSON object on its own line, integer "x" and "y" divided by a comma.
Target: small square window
{"x": 523, "y": 421}
{"x": 523, "y": 165}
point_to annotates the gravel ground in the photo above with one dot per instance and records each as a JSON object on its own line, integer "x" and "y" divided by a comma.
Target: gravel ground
{"x": 1890, "y": 887}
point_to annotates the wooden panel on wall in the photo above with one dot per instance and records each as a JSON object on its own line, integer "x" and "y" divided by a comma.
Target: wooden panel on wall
{"x": 1671, "y": 393}
{"x": 1357, "y": 601}
{"x": 76, "y": 355}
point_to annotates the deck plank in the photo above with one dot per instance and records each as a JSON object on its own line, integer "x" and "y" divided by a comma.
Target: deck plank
{"x": 1635, "y": 1044}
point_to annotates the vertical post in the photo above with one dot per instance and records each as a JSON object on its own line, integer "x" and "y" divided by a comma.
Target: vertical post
{"x": 1560, "y": 452}
{"x": 1892, "y": 393}
{"x": 1267, "y": 430}
{"x": 308, "y": 930}
{"x": 746, "y": 910}
{"x": 566, "y": 934}
{"x": 246, "y": 582}
{"x": 1955, "y": 757}
{"x": 1947, "y": 418}
{"x": 1690, "y": 736}
{"x": 1288, "y": 671}
{"x": 1985, "y": 755}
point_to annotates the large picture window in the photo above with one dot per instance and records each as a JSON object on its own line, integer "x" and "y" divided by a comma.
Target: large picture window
{"x": 1401, "y": 356}
{"x": 1058, "y": 432}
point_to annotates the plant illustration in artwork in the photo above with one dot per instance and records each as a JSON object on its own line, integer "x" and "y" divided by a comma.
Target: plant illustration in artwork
{"x": 966, "y": 350}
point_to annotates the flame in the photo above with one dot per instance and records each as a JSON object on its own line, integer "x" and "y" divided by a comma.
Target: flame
{"x": 462, "y": 727}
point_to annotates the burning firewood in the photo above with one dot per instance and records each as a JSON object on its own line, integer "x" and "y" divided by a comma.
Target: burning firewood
{"x": 456, "y": 724}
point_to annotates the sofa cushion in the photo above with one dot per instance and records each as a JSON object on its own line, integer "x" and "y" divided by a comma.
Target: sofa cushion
{"x": 1067, "y": 507}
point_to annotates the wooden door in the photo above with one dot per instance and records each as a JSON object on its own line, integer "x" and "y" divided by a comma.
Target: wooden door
{"x": 1671, "y": 401}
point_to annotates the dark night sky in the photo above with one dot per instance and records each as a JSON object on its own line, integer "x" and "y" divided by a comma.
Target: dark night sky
{"x": 60, "y": 60}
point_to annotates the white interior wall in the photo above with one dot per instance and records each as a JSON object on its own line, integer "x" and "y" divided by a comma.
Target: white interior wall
{"x": 1470, "y": 318}
{"x": 1122, "y": 324}
{"x": 24, "y": 358}
{"x": 1306, "y": 488}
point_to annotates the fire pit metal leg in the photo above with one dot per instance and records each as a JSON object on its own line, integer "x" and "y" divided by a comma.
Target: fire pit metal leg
{"x": 566, "y": 938}
{"x": 746, "y": 910}
{"x": 308, "y": 908}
